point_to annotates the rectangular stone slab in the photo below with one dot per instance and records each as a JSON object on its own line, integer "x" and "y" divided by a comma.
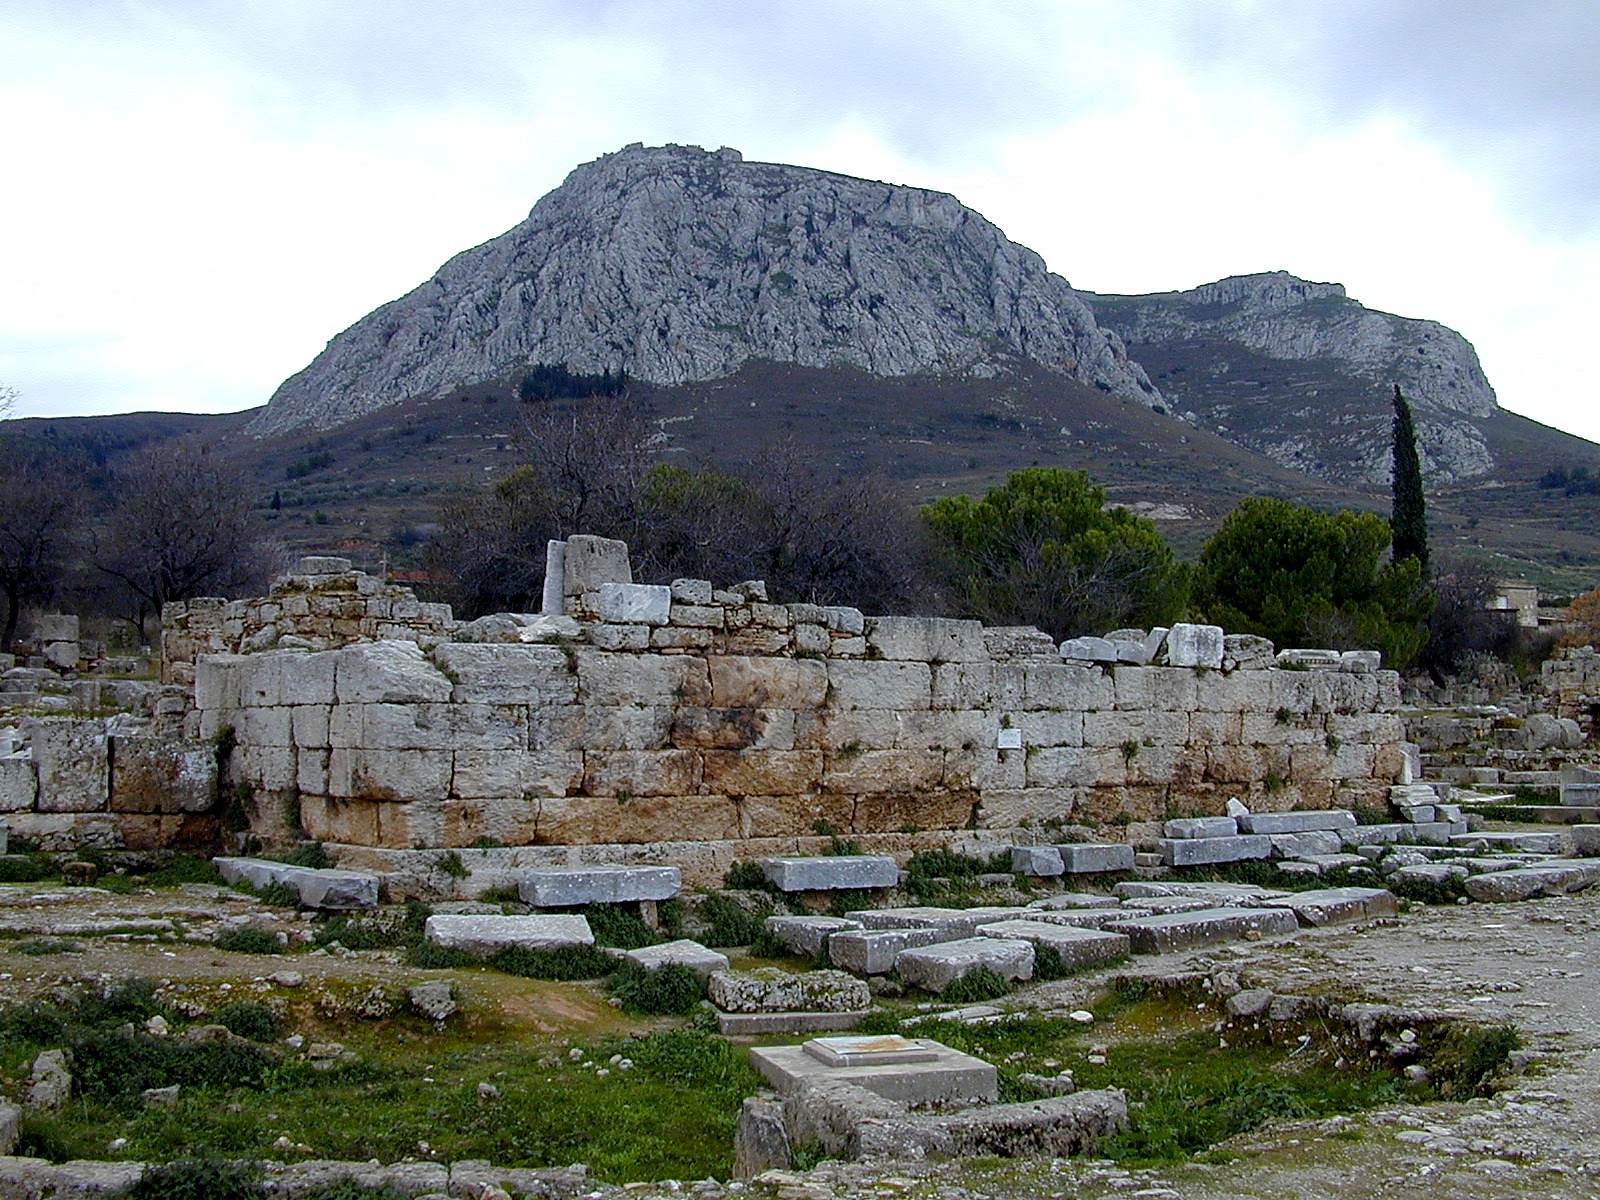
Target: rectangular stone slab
{"x": 1078, "y": 948}
{"x": 757, "y": 1024}
{"x": 1041, "y": 861}
{"x": 1194, "y": 852}
{"x": 1555, "y": 842}
{"x": 701, "y": 960}
{"x": 1181, "y": 931}
{"x": 950, "y": 1076}
{"x": 832, "y": 872}
{"x": 1095, "y": 858}
{"x": 807, "y": 935}
{"x": 868, "y": 1049}
{"x": 934, "y": 968}
{"x": 950, "y": 922}
{"x": 1329, "y": 906}
{"x": 484, "y": 935}
{"x": 873, "y": 951}
{"x": 1333, "y": 819}
{"x": 1201, "y": 827}
{"x": 1553, "y": 878}
{"x": 571, "y": 887}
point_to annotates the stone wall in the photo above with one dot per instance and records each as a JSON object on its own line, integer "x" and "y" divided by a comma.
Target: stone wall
{"x": 1572, "y": 681}
{"x": 116, "y": 782}
{"x": 711, "y": 717}
{"x": 321, "y": 604}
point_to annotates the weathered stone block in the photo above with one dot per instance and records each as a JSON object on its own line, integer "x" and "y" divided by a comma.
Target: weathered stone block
{"x": 696, "y": 616}
{"x": 591, "y": 561}
{"x": 632, "y": 773}
{"x": 1195, "y": 646}
{"x": 1329, "y": 906}
{"x": 847, "y": 621}
{"x": 485, "y": 935}
{"x": 873, "y": 951}
{"x": 1554, "y": 878}
{"x": 622, "y": 680}
{"x": 19, "y": 784}
{"x": 806, "y": 935}
{"x": 507, "y": 673}
{"x": 158, "y": 775}
{"x": 399, "y": 775}
{"x": 634, "y": 603}
{"x": 692, "y": 592}
{"x": 934, "y": 968}
{"x": 733, "y": 728}
{"x": 1091, "y": 858}
{"x": 1191, "y": 852}
{"x": 879, "y": 685}
{"x": 1180, "y": 931}
{"x": 572, "y": 887}
{"x": 926, "y": 639}
{"x": 763, "y": 772}
{"x": 1297, "y": 822}
{"x": 681, "y": 953}
{"x": 1154, "y": 689}
{"x": 743, "y": 682}
{"x": 1201, "y": 827}
{"x": 385, "y": 673}
{"x": 771, "y": 989}
{"x": 1078, "y": 948}
{"x": 831, "y": 872}
{"x": 1246, "y": 652}
{"x": 1089, "y": 650}
{"x": 1300, "y": 845}
{"x": 884, "y": 771}
{"x": 1039, "y": 861}
{"x": 73, "y": 764}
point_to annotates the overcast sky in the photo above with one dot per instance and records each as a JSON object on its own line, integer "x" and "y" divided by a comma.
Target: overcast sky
{"x": 200, "y": 193}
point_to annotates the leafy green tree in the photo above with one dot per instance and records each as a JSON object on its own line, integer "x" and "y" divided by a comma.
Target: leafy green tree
{"x": 1303, "y": 577}
{"x": 1409, "y": 518}
{"x": 1043, "y": 549}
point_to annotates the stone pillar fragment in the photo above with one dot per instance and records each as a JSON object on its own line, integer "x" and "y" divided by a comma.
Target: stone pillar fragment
{"x": 555, "y": 561}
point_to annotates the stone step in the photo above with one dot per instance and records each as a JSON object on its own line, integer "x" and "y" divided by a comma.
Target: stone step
{"x": 1203, "y": 851}
{"x": 325, "y": 888}
{"x": 701, "y": 960}
{"x": 759, "y": 1024}
{"x": 574, "y": 887}
{"x": 1554, "y": 842}
{"x": 1201, "y": 827}
{"x": 1078, "y": 948}
{"x": 1437, "y": 833}
{"x": 1183, "y": 931}
{"x": 806, "y": 935}
{"x": 772, "y": 989}
{"x": 1042, "y": 862}
{"x": 833, "y": 872}
{"x": 1311, "y": 821}
{"x": 951, "y": 923}
{"x": 486, "y": 935}
{"x": 1553, "y": 878}
{"x": 1331, "y": 906}
{"x": 934, "y": 968}
{"x": 873, "y": 951}
{"x": 1095, "y": 858}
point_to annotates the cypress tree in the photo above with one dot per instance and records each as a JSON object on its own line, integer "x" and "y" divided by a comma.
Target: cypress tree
{"x": 1409, "y": 519}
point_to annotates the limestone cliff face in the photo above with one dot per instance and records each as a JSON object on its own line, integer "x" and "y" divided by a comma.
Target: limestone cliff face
{"x": 1302, "y": 372}
{"x": 679, "y": 264}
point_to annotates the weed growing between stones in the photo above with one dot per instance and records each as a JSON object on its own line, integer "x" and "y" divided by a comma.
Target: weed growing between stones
{"x": 25, "y": 868}
{"x": 215, "y": 1179}
{"x": 248, "y": 940}
{"x": 671, "y": 990}
{"x": 381, "y": 930}
{"x": 976, "y": 986}
{"x": 41, "y": 946}
{"x": 744, "y": 876}
{"x": 620, "y": 926}
{"x": 729, "y": 923}
{"x": 943, "y": 875}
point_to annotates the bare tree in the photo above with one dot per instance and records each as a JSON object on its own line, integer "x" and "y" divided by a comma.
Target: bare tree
{"x": 181, "y": 526}
{"x": 38, "y": 513}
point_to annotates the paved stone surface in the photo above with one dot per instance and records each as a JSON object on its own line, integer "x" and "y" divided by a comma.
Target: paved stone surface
{"x": 1180, "y": 931}
{"x": 1546, "y": 879}
{"x": 1078, "y": 948}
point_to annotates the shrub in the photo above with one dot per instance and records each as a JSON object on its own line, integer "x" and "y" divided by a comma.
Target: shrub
{"x": 746, "y": 877}
{"x": 310, "y": 854}
{"x": 672, "y": 990}
{"x": 198, "y": 1179}
{"x": 22, "y": 868}
{"x": 112, "y": 1065}
{"x": 620, "y": 926}
{"x": 983, "y": 983}
{"x": 248, "y": 940}
{"x": 250, "y": 1019}
{"x": 728, "y": 923}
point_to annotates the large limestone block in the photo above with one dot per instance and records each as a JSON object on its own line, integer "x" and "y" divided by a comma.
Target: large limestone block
{"x": 656, "y": 681}
{"x": 1195, "y": 646}
{"x": 702, "y": 962}
{"x": 1095, "y": 858}
{"x": 263, "y": 727}
{"x": 972, "y": 686}
{"x": 1330, "y": 906}
{"x": 1059, "y": 685}
{"x": 485, "y": 935}
{"x": 926, "y": 639}
{"x": 1090, "y": 650}
{"x": 873, "y": 951}
{"x": 634, "y": 603}
{"x": 19, "y": 783}
{"x": 590, "y": 561}
{"x": 1297, "y": 822}
{"x": 1553, "y": 878}
{"x": 763, "y": 772}
{"x": 880, "y": 685}
{"x": 1203, "y": 851}
{"x": 789, "y": 817}
{"x": 217, "y": 681}
{"x": 73, "y": 763}
{"x": 1060, "y": 766}
{"x": 733, "y": 728}
{"x": 309, "y": 726}
{"x": 858, "y": 729}
{"x": 1181, "y": 931}
{"x": 884, "y": 771}
{"x": 934, "y": 968}
{"x": 589, "y": 820}
{"x": 770, "y": 989}
{"x": 930, "y": 808}
{"x": 1143, "y": 729}
{"x": 386, "y": 673}
{"x": 635, "y": 728}
{"x": 394, "y": 775}
{"x": 1247, "y": 652}
{"x": 1078, "y": 948}
{"x": 486, "y": 774}
{"x": 158, "y": 775}
{"x": 387, "y": 727}
{"x": 806, "y": 935}
{"x": 1045, "y": 729}
{"x": 746, "y": 682}
{"x": 625, "y": 774}
{"x": 1146, "y": 689}
{"x": 571, "y": 887}
{"x": 1205, "y": 827}
{"x": 830, "y": 872}
{"x": 502, "y": 673}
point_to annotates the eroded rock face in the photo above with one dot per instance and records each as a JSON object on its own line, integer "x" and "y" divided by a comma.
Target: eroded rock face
{"x": 678, "y": 264}
{"x": 1302, "y": 373}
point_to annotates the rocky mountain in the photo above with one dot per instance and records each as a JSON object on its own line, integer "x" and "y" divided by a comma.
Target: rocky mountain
{"x": 678, "y": 264}
{"x": 1302, "y": 373}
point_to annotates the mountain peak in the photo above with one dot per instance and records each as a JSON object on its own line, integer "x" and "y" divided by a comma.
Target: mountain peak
{"x": 678, "y": 264}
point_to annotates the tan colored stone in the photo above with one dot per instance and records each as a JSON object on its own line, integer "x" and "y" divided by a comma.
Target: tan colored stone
{"x": 629, "y": 728}
{"x": 862, "y": 729}
{"x": 605, "y": 678}
{"x": 783, "y": 817}
{"x": 956, "y": 729}
{"x": 883, "y": 771}
{"x": 582, "y": 819}
{"x": 739, "y": 681}
{"x": 510, "y": 821}
{"x": 481, "y": 774}
{"x": 1170, "y": 689}
{"x": 763, "y": 772}
{"x": 755, "y": 640}
{"x": 361, "y": 822}
{"x": 931, "y": 808}
{"x": 1003, "y": 808}
{"x": 667, "y": 638}
{"x": 1060, "y": 766}
{"x": 903, "y": 686}
{"x": 389, "y": 775}
{"x": 733, "y": 728}
{"x": 1107, "y": 729}
{"x": 156, "y": 775}
{"x": 1061, "y": 685}
{"x": 636, "y": 773}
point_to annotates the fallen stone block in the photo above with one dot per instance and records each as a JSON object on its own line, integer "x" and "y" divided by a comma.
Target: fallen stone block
{"x": 1435, "y": 873}
{"x": 329, "y": 888}
{"x": 1304, "y": 659}
{"x": 699, "y": 959}
{"x": 1201, "y": 827}
{"x": 934, "y": 968}
{"x": 1554, "y": 842}
{"x": 1300, "y": 845}
{"x": 806, "y": 935}
{"x": 1246, "y": 652}
{"x": 760, "y": 1024}
{"x": 484, "y": 936}
{"x": 1183, "y": 931}
{"x": 1416, "y": 814}
{"x": 771, "y": 989}
{"x": 1192, "y": 852}
{"x": 1554, "y": 878}
{"x": 1089, "y": 650}
{"x": 1071, "y": 900}
{"x": 10, "y": 1127}
{"x": 1040, "y": 861}
{"x": 1077, "y": 948}
{"x": 873, "y": 951}
{"x": 1056, "y": 1127}
{"x": 1095, "y": 858}
{"x": 1294, "y": 866}
{"x": 834, "y": 872}
{"x": 1331, "y": 906}
{"x": 1585, "y": 840}
{"x": 572, "y": 887}
{"x": 936, "y": 1075}
{"x": 1195, "y": 646}
{"x": 950, "y": 923}
{"x": 1333, "y": 819}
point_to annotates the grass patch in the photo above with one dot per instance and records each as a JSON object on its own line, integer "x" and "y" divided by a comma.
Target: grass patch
{"x": 39, "y": 947}
{"x": 25, "y": 868}
{"x": 248, "y": 940}
{"x": 384, "y": 930}
{"x": 578, "y": 962}
{"x": 185, "y": 868}
{"x": 1428, "y": 891}
{"x": 250, "y": 1019}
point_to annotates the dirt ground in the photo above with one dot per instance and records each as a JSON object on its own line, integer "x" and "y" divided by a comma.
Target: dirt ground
{"x": 1533, "y": 964}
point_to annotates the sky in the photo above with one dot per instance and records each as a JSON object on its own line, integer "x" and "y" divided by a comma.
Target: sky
{"x": 199, "y": 194}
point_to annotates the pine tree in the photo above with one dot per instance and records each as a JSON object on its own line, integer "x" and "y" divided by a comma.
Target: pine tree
{"x": 1409, "y": 519}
